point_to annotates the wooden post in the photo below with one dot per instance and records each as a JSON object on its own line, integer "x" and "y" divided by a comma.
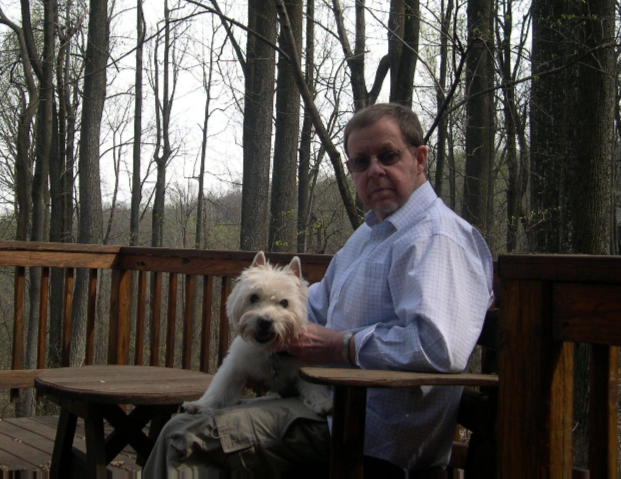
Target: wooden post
{"x": 188, "y": 322}
{"x": 18, "y": 323}
{"x": 171, "y": 318}
{"x": 156, "y": 308}
{"x": 535, "y": 406}
{"x": 223, "y": 343}
{"x": 346, "y": 458}
{"x": 120, "y": 316}
{"x": 90, "y": 318}
{"x": 68, "y": 310}
{"x": 206, "y": 322}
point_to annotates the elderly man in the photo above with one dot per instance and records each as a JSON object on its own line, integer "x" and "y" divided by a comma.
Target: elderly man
{"x": 408, "y": 291}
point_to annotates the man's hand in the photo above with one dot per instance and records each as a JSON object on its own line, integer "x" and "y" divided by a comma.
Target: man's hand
{"x": 317, "y": 345}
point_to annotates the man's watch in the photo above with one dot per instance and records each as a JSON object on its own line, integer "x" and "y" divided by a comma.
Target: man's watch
{"x": 345, "y": 350}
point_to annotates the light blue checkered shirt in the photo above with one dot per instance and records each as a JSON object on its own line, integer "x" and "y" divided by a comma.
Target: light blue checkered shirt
{"x": 414, "y": 289}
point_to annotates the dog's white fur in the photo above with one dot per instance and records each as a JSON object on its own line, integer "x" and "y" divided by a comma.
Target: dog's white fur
{"x": 267, "y": 308}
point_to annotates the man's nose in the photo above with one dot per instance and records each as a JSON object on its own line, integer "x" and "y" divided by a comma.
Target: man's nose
{"x": 375, "y": 169}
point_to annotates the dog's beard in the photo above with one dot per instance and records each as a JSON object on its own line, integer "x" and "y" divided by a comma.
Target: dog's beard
{"x": 282, "y": 331}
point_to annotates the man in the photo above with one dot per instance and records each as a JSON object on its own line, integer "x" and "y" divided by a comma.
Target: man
{"x": 408, "y": 291}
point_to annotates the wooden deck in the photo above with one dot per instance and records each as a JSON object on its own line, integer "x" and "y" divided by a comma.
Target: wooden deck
{"x": 26, "y": 445}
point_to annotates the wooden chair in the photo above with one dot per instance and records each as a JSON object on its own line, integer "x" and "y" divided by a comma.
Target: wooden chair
{"x": 476, "y": 412}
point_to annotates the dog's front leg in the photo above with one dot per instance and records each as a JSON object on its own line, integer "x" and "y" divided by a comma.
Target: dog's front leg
{"x": 226, "y": 385}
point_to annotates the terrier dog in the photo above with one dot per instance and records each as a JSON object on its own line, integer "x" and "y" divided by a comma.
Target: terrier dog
{"x": 267, "y": 308}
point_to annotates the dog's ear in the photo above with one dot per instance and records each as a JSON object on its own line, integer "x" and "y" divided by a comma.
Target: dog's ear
{"x": 296, "y": 266}
{"x": 259, "y": 259}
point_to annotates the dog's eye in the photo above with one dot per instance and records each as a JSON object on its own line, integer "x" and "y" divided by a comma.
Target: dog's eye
{"x": 284, "y": 303}
{"x": 254, "y": 298}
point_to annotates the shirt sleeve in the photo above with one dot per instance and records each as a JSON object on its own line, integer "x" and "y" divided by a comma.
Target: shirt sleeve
{"x": 319, "y": 296}
{"x": 441, "y": 291}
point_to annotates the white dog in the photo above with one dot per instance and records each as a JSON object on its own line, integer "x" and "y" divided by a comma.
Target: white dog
{"x": 267, "y": 308}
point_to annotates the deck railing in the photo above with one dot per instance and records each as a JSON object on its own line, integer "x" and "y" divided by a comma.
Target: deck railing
{"x": 151, "y": 290}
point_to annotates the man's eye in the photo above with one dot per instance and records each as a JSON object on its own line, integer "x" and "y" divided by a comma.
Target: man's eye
{"x": 254, "y": 298}
{"x": 360, "y": 163}
{"x": 388, "y": 157}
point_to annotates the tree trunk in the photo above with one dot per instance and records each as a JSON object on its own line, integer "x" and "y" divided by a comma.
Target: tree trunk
{"x": 163, "y": 138}
{"x": 404, "y": 27}
{"x": 90, "y": 217}
{"x": 283, "y": 224}
{"x": 134, "y": 221}
{"x": 478, "y": 107}
{"x": 307, "y": 132}
{"x": 198, "y": 237}
{"x": 445, "y": 21}
{"x": 258, "y": 111}
{"x": 571, "y": 147}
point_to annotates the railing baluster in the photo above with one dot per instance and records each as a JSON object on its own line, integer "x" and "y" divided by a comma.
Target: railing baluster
{"x": 43, "y": 304}
{"x": 18, "y": 324}
{"x": 188, "y": 322}
{"x": 170, "y": 320}
{"x": 603, "y": 411}
{"x": 67, "y": 308}
{"x": 206, "y": 322}
{"x": 223, "y": 344}
{"x": 156, "y": 308}
{"x": 141, "y": 308}
{"x": 120, "y": 313}
{"x": 90, "y": 318}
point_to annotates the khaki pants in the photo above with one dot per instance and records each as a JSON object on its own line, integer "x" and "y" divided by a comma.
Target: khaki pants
{"x": 265, "y": 436}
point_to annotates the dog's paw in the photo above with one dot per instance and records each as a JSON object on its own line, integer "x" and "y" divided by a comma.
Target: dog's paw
{"x": 319, "y": 405}
{"x": 195, "y": 407}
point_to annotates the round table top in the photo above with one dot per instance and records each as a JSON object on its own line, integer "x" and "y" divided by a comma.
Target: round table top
{"x": 138, "y": 385}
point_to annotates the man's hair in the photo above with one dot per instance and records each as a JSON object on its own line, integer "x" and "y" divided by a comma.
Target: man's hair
{"x": 406, "y": 119}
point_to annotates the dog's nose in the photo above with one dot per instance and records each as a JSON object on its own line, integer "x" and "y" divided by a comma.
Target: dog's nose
{"x": 264, "y": 324}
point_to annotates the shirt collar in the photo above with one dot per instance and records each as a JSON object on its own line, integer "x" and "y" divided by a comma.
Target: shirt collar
{"x": 419, "y": 201}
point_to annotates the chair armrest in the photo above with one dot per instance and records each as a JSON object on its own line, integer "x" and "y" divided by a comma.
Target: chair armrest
{"x": 392, "y": 379}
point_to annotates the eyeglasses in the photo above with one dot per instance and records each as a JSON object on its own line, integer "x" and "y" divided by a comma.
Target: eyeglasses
{"x": 360, "y": 164}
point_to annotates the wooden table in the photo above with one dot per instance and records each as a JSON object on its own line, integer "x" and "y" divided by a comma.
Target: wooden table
{"x": 97, "y": 393}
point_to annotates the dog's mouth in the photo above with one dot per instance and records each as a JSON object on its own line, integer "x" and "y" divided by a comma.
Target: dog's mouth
{"x": 263, "y": 337}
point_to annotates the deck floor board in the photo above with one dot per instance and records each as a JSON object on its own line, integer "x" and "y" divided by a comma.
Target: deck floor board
{"x": 26, "y": 444}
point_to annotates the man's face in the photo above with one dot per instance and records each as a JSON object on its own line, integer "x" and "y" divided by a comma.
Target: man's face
{"x": 385, "y": 189}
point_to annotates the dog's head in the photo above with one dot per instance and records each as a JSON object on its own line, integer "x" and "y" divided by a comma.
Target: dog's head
{"x": 268, "y": 303}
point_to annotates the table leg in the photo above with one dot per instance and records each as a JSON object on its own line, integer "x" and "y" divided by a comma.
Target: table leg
{"x": 96, "y": 464}
{"x": 63, "y": 445}
{"x": 157, "y": 424}
{"x": 346, "y": 456}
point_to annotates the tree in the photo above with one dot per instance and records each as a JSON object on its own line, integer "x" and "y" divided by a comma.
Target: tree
{"x": 257, "y": 136}
{"x": 283, "y": 231}
{"x": 445, "y": 22}
{"x": 517, "y": 161}
{"x": 163, "y": 149}
{"x": 479, "y": 127}
{"x": 307, "y": 131}
{"x": 134, "y": 228}
{"x": 404, "y": 28}
{"x": 90, "y": 226}
{"x": 573, "y": 57}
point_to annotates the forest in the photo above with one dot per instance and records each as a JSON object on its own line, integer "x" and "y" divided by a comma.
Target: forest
{"x": 215, "y": 124}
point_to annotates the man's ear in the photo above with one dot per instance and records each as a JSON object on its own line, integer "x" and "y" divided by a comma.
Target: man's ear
{"x": 421, "y": 159}
{"x": 259, "y": 259}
